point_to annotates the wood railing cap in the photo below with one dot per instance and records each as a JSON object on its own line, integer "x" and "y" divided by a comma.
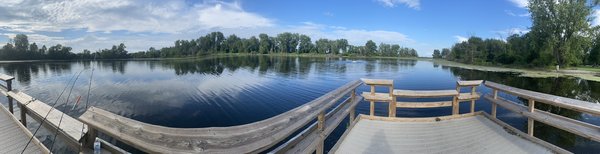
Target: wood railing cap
{"x": 568, "y": 103}
{"x": 5, "y": 77}
{"x": 469, "y": 83}
{"x": 382, "y": 82}
{"x": 248, "y": 138}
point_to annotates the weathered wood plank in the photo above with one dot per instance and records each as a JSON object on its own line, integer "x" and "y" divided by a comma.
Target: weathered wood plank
{"x": 423, "y": 104}
{"x": 424, "y": 93}
{"x": 378, "y": 82}
{"x": 469, "y": 83}
{"x": 468, "y": 96}
{"x": 248, "y": 138}
{"x": 5, "y": 77}
{"x": 377, "y": 97}
{"x": 309, "y": 144}
{"x": 14, "y": 136}
{"x": 517, "y": 132}
{"x": 567, "y": 103}
{"x": 69, "y": 126}
{"x": 582, "y": 129}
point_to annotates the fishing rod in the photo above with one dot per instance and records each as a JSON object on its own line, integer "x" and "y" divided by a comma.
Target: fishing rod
{"x": 63, "y": 113}
{"x": 48, "y": 113}
{"x": 87, "y": 100}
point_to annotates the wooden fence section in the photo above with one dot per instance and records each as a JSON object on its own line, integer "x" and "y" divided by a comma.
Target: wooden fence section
{"x": 580, "y": 128}
{"x": 67, "y": 126}
{"x": 248, "y": 138}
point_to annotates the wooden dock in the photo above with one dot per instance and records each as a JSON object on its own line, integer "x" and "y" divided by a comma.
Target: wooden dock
{"x": 305, "y": 128}
{"x": 14, "y": 136}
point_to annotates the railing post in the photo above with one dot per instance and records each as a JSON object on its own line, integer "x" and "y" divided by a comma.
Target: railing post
{"x": 10, "y": 99}
{"x": 89, "y": 138}
{"x": 392, "y": 103}
{"x": 372, "y": 103}
{"x": 352, "y": 110}
{"x": 320, "y": 127}
{"x": 529, "y": 120}
{"x": 23, "y": 114}
{"x": 455, "y": 104}
{"x": 494, "y": 105}
{"x": 473, "y": 89}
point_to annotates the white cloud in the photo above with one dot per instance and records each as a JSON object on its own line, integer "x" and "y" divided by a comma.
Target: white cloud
{"x": 415, "y": 4}
{"x": 129, "y": 15}
{"x": 520, "y": 3}
{"x": 461, "y": 38}
{"x": 511, "y": 13}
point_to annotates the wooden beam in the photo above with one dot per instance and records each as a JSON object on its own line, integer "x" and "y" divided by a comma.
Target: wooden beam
{"x": 5, "y": 77}
{"x": 576, "y": 127}
{"x": 494, "y": 105}
{"x": 378, "y": 82}
{"x": 472, "y": 83}
{"x": 530, "y": 121}
{"x": 423, "y": 104}
{"x": 249, "y": 138}
{"x": 424, "y": 93}
{"x": 563, "y": 102}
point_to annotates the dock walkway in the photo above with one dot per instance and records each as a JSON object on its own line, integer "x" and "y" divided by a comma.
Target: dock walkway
{"x": 15, "y": 136}
{"x": 469, "y": 134}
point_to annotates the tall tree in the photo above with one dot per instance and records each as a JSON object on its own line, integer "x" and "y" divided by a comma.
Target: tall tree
{"x": 558, "y": 25}
{"x": 371, "y": 47}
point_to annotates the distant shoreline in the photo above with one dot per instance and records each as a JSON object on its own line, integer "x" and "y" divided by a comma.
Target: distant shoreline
{"x": 583, "y": 73}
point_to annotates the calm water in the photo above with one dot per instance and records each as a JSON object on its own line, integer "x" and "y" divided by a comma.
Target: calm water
{"x": 239, "y": 90}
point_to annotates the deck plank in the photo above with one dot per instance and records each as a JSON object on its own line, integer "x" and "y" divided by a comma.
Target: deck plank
{"x": 424, "y": 93}
{"x": 378, "y": 82}
{"x": 445, "y": 136}
{"x": 15, "y": 136}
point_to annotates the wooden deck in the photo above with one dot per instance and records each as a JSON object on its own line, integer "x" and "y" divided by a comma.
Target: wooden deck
{"x": 473, "y": 133}
{"x": 14, "y": 136}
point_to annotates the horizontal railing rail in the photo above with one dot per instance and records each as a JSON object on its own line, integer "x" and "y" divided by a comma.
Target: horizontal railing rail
{"x": 579, "y": 128}
{"x": 52, "y": 119}
{"x": 249, "y": 138}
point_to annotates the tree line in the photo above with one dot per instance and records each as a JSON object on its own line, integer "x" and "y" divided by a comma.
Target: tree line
{"x": 561, "y": 34}
{"x": 211, "y": 43}
{"x": 216, "y": 42}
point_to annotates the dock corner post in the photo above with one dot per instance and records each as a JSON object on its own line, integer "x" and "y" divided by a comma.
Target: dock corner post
{"x": 320, "y": 127}
{"x": 455, "y": 107}
{"x": 494, "y": 105}
{"x": 372, "y": 109}
{"x": 90, "y": 137}
{"x": 529, "y": 120}
{"x": 10, "y": 99}
{"x": 352, "y": 110}
{"x": 23, "y": 114}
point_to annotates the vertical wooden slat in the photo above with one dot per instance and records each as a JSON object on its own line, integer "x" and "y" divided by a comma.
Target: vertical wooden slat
{"x": 321, "y": 127}
{"x": 89, "y": 138}
{"x": 455, "y": 104}
{"x": 23, "y": 115}
{"x": 352, "y": 110}
{"x": 529, "y": 120}
{"x": 372, "y": 90}
{"x": 372, "y": 109}
{"x": 473, "y": 91}
{"x": 494, "y": 105}
{"x": 392, "y": 109}
{"x": 10, "y": 99}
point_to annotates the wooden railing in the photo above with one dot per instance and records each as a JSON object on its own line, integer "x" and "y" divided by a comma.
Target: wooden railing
{"x": 54, "y": 120}
{"x": 249, "y": 138}
{"x": 580, "y": 128}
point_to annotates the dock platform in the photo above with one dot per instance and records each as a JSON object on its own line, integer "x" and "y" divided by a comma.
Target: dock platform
{"x": 14, "y": 136}
{"x": 474, "y": 133}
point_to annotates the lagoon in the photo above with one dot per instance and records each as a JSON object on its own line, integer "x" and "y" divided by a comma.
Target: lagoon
{"x": 234, "y": 90}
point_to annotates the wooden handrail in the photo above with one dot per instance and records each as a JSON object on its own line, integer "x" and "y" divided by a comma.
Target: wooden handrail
{"x": 568, "y": 103}
{"x": 582, "y": 129}
{"x": 248, "y": 138}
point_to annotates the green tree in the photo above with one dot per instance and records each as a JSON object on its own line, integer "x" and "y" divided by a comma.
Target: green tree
{"x": 558, "y": 26}
{"x": 370, "y": 47}
{"x": 436, "y": 54}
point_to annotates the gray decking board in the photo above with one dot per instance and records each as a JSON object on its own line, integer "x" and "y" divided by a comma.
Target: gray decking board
{"x": 14, "y": 136}
{"x": 475, "y": 134}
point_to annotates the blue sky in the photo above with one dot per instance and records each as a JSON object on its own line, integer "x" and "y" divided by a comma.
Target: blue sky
{"x": 421, "y": 24}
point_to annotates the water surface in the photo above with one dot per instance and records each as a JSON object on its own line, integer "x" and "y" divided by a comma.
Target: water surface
{"x": 228, "y": 91}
